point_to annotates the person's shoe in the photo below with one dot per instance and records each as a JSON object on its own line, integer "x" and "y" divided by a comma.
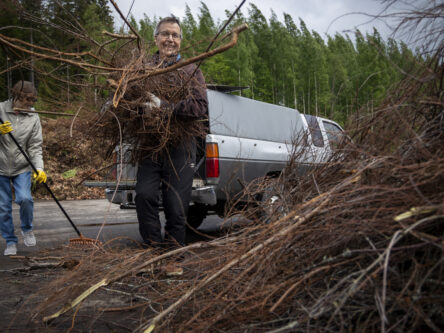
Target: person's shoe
{"x": 172, "y": 270}
{"x": 29, "y": 238}
{"x": 11, "y": 249}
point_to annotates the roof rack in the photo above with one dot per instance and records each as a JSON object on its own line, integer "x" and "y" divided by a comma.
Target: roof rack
{"x": 225, "y": 88}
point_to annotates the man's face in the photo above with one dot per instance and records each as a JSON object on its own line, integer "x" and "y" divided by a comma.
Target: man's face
{"x": 168, "y": 40}
{"x": 25, "y": 100}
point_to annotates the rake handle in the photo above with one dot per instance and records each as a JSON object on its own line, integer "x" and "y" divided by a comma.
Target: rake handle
{"x": 46, "y": 185}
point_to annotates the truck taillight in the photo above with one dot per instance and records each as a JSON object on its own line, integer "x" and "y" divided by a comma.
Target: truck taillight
{"x": 212, "y": 160}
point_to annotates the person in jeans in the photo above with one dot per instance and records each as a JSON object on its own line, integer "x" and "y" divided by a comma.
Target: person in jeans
{"x": 15, "y": 170}
{"x": 172, "y": 170}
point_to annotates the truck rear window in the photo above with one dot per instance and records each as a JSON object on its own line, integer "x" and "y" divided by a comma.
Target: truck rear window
{"x": 315, "y": 130}
{"x": 334, "y": 133}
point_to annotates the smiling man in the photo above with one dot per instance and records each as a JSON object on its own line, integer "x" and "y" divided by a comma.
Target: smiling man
{"x": 168, "y": 37}
{"x": 171, "y": 170}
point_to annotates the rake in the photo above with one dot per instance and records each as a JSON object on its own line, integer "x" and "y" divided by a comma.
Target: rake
{"x": 81, "y": 240}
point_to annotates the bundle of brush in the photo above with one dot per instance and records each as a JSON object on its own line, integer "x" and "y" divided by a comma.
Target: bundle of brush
{"x": 369, "y": 258}
{"x": 358, "y": 245}
{"x": 133, "y": 114}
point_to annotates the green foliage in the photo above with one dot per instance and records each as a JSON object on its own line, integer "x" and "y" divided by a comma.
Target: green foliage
{"x": 282, "y": 62}
{"x": 65, "y": 25}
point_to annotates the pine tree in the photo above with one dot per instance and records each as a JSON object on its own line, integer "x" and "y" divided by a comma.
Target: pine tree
{"x": 215, "y": 67}
{"x": 263, "y": 81}
{"x": 341, "y": 63}
{"x": 189, "y": 33}
{"x": 239, "y": 59}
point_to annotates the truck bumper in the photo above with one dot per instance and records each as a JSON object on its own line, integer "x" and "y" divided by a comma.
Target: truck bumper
{"x": 204, "y": 195}
{"x": 126, "y": 195}
{"x": 123, "y": 197}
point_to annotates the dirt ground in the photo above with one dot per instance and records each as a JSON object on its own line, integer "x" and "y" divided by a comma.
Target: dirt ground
{"x": 71, "y": 156}
{"x": 112, "y": 308}
{"x": 21, "y": 290}
{"x": 68, "y": 161}
{"x": 22, "y": 279}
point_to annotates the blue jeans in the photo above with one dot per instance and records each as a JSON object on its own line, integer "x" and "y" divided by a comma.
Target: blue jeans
{"x": 22, "y": 188}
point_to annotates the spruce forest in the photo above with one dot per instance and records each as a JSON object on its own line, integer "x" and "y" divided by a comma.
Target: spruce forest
{"x": 283, "y": 63}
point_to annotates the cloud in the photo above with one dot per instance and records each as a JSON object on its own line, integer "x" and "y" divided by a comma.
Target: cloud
{"x": 319, "y": 15}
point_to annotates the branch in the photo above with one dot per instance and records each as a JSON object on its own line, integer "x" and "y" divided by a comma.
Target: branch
{"x": 205, "y": 55}
{"x": 119, "y": 36}
{"x": 41, "y": 55}
{"x": 148, "y": 327}
{"x": 105, "y": 281}
{"x": 139, "y": 39}
{"x": 44, "y": 112}
{"x": 60, "y": 53}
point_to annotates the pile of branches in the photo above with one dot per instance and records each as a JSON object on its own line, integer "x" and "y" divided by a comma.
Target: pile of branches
{"x": 129, "y": 116}
{"x": 135, "y": 81}
{"x": 354, "y": 245}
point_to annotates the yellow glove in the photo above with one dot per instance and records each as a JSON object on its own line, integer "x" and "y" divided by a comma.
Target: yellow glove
{"x": 40, "y": 176}
{"x": 6, "y": 127}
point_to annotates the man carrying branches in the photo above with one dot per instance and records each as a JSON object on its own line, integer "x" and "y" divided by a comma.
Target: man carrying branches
{"x": 171, "y": 169}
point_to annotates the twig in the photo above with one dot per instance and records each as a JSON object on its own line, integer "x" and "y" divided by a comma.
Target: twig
{"x": 105, "y": 281}
{"x": 186, "y": 62}
{"x": 96, "y": 171}
{"x": 83, "y": 65}
{"x": 57, "y": 52}
{"x": 73, "y": 119}
{"x": 139, "y": 39}
{"x": 44, "y": 112}
{"x": 299, "y": 220}
{"x": 118, "y": 36}
{"x": 286, "y": 328}
{"x": 215, "y": 37}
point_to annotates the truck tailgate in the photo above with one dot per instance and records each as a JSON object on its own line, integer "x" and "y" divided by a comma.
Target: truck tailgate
{"x": 111, "y": 184}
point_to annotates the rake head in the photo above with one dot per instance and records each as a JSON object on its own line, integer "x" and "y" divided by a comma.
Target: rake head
{"x": 84, "y": 241}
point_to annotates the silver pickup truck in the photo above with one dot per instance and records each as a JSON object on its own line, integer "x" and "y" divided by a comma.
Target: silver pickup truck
{"x": 247, "y": 139}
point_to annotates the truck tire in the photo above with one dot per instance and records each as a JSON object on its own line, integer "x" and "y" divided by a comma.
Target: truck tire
{"x": 272, "y": 205}
{"x": 196, "y": 214}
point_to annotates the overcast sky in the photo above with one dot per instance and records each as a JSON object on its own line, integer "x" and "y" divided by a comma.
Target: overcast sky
{"x": 323, "y": 16}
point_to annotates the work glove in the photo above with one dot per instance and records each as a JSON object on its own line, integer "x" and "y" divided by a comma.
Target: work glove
{"x": 40, "y": 176}
{"x": 6, "y": 127}
{"x": 155, "y": 101}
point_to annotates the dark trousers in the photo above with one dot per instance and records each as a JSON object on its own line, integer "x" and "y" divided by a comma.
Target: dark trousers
{"x": 172, "y": 174}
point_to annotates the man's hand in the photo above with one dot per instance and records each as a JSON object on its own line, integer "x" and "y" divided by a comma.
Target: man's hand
{"x": 6, "y": 127}
{"x": 155, "y": 101}
{"x": 40, "y": 176}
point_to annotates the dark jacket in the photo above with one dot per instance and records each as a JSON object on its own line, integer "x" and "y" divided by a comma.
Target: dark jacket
{"x": 195, "y": 103}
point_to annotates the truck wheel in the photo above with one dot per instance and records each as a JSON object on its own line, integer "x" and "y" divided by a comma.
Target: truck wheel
{"x": 272, "y": 204}
{"x": 196, "y": 214}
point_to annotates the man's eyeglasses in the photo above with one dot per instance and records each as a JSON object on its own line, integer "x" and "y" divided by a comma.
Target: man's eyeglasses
{"x": 166, "y": 35}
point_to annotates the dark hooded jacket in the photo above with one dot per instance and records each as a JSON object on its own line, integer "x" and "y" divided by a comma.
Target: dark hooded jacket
{"x": 194, "y": 105}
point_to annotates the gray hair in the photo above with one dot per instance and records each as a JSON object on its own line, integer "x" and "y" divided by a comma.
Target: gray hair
{"x": 168, "y": 19}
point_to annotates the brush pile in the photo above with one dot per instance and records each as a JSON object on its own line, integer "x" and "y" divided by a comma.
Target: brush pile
{"x": 355, "y": 245}
{"x": 137, "y": 79}
{"x": 131, "y": 117}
